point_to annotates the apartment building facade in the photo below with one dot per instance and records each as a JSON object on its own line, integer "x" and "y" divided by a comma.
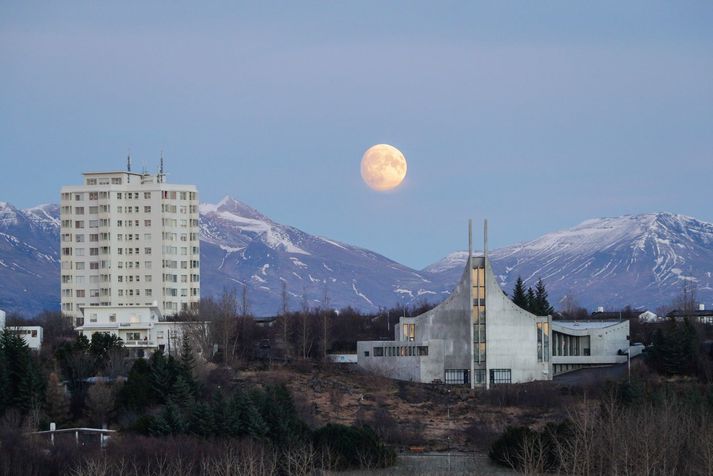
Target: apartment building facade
{"x": 129, "y": 239}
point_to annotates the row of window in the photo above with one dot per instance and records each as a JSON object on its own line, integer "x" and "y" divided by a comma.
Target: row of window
{"x": 166, "y": 222}
{"x": 167, "y": 306}
{"x": 96, "y": 209}
{"x": 106, "y": 278}
{"x": 100, "y": 292}
{"x": 105, "y": 236}
{"x": 104, "y": 181}
{"x": 399, "y": 351}
{"x": 80, "y": 196}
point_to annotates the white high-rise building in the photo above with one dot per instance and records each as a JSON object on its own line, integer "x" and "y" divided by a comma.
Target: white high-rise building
{"x": 129, "y": 239}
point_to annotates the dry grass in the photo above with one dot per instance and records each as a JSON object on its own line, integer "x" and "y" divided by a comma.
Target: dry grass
{"x": 412, "y": 414}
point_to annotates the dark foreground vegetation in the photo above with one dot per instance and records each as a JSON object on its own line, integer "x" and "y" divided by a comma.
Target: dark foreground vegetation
{"x": 185, "y": 413}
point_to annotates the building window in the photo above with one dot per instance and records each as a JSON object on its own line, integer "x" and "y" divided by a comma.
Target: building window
{"x": 378, "y": 351}
{"x": 366, "y": 353}
{"x": 480, "y": 376}
{"x": 422, "y": 350}
{"x": 456, "y": 376}
{"x": 410, "y": 332}
{"x": 498, "y": 376}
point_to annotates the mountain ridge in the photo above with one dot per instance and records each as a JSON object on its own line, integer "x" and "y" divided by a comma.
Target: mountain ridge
{"x": 640, "y": 260}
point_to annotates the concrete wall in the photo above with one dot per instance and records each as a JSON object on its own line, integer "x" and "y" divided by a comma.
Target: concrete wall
{"x": 449, "y": 322}
{"x": 129, "y": 314}
{"x": 606, "y": 339}
{"x": 414, "y": 368}
{"x": 511, "y": 335}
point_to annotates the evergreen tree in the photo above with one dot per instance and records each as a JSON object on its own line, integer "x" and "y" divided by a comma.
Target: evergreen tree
{"x": 278, "y": 411}
{"x": 159, "y": 426}
{"x": 519, "y": 296}
{"x": 201, "y": 420}
{"x": 675, "y": 348}
{"x": 181, "y": 393}
{"x": 221, "y": 415}
{"x": 23, "y": 381}
{"x": 174, "y": 419}
{"x": 541, "y": 305}
{"x": 162, "y": 376}
{"x": 530, "y": 300}
{"x": 188, "y": 362}
{"x": 250, "y": 422}
{"x": 137, "y": 392}
{"x": 4, "y": 380}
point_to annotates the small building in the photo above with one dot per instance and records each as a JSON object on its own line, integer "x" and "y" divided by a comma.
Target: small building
{"x": 142, "y": 329}
{"x": 702, "y": 315}
{"x": 32, "y": 335}
{"x": 649, "y": 317}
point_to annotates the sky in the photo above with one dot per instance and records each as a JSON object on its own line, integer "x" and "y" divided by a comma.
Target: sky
{"x": 535, "y": 115}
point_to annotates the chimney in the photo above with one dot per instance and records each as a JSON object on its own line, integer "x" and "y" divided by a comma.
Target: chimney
{"x": 701, "y": 307}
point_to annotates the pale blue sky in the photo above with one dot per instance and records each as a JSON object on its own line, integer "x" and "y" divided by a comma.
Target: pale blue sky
{"x": 537, "y": 115}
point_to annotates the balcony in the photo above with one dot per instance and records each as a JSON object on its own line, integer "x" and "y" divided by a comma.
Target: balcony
{"x": 139, "y": 343}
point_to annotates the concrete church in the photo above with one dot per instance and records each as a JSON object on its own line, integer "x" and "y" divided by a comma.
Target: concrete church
{"x": 479, "y": 337}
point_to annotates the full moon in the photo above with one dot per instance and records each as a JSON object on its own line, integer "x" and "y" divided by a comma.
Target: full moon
{"x": 383, "y": 167}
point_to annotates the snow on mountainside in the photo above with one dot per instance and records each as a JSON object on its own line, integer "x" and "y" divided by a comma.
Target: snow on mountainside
{"x": 29, "y": 258}
{"x": 240, "y": 245}
{"x": 640, "y": 260}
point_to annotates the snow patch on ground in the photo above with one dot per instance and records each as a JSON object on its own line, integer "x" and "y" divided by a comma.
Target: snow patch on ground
{"x": 403, "y": 291}
{"x": 356, "y": 291}
{"x": 298, "y": 263}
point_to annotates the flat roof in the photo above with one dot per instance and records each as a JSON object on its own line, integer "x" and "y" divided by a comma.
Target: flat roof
{"x": 583, "y": 325}
{"x": 114, "y": 173}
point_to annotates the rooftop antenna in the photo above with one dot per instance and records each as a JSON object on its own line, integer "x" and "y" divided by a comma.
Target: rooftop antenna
{"x": 470, "y": 240}
{"x": 485, "y": 239}
{"x": 128, "y": 162}
{"x": 160, "y": 169}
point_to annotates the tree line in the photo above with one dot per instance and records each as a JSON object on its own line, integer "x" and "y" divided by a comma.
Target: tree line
{"x": 535, "y": 300}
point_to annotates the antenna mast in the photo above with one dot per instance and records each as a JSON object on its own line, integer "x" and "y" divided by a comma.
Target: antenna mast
{"x": 161, "y": 173}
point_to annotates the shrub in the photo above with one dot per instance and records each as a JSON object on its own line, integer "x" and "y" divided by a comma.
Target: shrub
{"x": 353, "y": 447}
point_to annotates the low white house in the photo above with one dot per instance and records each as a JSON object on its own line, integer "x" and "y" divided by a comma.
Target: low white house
{"x": 648, "y": 316}
{"x": 141, "y": 328}
{"x": 32, "y": 335}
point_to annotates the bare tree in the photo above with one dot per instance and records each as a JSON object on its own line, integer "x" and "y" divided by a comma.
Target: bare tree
{"x": 305, "y": 316}
{"x": 100, "y": 402}
{"x": 687, "y": 300}
{"x": 243, "y": 314}
{"x": 285, "y": 310}
{"x": 57, "y": 400}
{"x": 228, "y": 305}
{"x": 325, "y": 319}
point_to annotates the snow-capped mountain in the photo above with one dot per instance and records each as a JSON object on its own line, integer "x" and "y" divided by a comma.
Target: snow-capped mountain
{"x": 29, "y": 258}
{"x": 240, "y": 245}
{"x": 638, "y": 260}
